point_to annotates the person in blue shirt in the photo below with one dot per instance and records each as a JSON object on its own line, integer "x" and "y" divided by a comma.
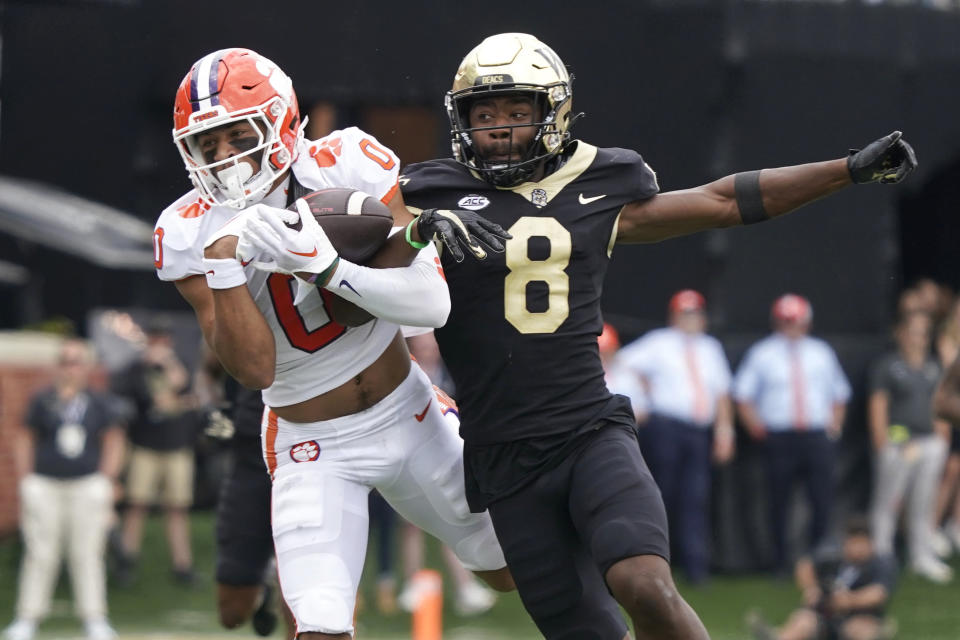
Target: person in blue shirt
{"x": 685, "y": 374}
{"x": 791, "y": 395}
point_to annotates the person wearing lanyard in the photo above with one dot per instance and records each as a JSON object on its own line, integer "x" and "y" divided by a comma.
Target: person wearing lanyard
{"x": 791, "y": 395}
{"x": 686, "y": 377}
{"x": 68, "y": 457}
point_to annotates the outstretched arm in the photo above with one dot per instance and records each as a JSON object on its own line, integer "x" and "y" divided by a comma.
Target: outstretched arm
{"x": 755, "y": 196}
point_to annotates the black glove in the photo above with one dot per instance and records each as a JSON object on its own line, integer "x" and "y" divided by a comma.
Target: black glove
{"x": 888, "y": 160}
{"x": 458, "y": 226}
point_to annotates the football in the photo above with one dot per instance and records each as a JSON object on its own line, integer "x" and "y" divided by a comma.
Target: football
{"x": 356, "y": 223}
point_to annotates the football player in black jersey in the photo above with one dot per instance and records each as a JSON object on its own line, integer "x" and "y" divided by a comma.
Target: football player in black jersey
{"x": 548, "y": 449}
{"x": 243, "y": 534}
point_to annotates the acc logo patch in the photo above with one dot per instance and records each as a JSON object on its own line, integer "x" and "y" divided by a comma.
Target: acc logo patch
{"x": 473, "y": 202}
{"x": 305, "y": 451}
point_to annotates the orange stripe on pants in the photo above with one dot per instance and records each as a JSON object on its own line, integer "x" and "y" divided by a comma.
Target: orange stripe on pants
{"x": 271, "y": 442}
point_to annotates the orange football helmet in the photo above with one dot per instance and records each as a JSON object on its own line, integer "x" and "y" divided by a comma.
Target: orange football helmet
{"x": 226, "y": 87}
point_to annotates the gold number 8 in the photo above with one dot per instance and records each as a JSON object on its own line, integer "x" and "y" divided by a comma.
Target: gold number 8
{"x": 523, "y": 271}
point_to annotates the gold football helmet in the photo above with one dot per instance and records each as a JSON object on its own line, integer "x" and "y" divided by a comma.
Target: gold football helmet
{"x": 510, "y": 63}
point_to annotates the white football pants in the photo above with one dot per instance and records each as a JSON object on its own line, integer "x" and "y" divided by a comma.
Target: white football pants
{"x": 322, "y": 473}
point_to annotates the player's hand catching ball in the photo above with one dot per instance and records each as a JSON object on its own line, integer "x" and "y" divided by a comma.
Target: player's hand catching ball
{"x": 458, "y": 226}
{"x": 229, "y": 241}
{"x": 290, "y": 250}
{"x": 887, "y": 160}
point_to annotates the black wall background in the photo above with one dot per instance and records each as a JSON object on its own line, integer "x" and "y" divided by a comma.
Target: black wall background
{"x": 700, "y": 89}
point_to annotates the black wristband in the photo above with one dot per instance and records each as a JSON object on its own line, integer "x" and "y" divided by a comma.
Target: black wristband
{"x": 746, "y": 188}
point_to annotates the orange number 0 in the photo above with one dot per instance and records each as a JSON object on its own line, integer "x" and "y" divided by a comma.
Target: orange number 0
{"x": 292, "y": 323}
{"x": 378, "y": 154}
{"x": 158, "y": 248}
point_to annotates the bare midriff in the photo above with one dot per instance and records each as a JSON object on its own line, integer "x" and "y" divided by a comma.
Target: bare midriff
{"x": 360, "y": 392}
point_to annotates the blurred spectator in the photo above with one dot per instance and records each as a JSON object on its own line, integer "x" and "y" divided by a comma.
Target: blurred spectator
{"x": 928, "y": 297}
{"x": 423, "y": 347}
{"x": 162, "y": 436}
{"x": 947, "y": 511}
{"x": 246, "y": 572}
{"x": 946, "y": 405}
{"x": 687, "y": 380}
{"x": 383, "y": 520}
{"x": 68, "y": 458}
{"x": 845, "y": 594}
{"x": 791, "y": 396}
{"x": 911, "y": 301}
{"x": 947, "y": 344}
{"x": 471, "y": 597}
{"x": 909, "y": 444}
{"x": 617, "y": 375}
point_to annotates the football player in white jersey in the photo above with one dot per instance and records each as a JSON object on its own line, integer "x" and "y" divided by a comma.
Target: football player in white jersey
{"x": 346, "y": 409}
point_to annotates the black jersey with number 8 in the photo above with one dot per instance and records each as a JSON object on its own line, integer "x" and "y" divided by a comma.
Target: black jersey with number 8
{"x": 521, "y": 339}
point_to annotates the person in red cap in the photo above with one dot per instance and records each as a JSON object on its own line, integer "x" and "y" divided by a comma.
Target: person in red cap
{"x": 791, "y": 395}
{"x": 686, "y": 379}
{"x": 608, "y": 341}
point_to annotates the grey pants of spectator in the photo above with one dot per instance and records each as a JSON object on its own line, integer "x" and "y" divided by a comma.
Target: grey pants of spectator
{"x": 907, "y": 476}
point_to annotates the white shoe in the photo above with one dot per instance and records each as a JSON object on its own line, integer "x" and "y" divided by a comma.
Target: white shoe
{"x": 940, "y": 544}
{"x": 99, "y": 629}
{"x": 933, "y": 570}
{"x": 20, "y": 630}
{"x": 408, "y": 596}
{"x": 474, "y": 599}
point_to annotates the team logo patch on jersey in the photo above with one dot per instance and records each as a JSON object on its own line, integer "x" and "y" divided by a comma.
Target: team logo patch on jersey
{"x": 305, "y": 451}
{"x": 473, "y": 202}
{"x": 539, "y": 197}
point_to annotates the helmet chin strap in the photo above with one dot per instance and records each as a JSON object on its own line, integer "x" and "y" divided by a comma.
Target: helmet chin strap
{"x": 233, "y": 177}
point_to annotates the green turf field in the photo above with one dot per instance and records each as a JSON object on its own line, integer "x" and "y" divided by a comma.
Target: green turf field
{"x": 157, "y": 609}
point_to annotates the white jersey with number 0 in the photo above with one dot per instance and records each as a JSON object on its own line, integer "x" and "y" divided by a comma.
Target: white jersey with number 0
{"x": 345, "y": 158}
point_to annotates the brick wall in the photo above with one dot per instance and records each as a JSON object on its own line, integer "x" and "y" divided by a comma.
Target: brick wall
{"x": 17, "y": 385}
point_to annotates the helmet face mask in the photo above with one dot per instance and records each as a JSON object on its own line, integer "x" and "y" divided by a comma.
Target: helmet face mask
{"x": 229, "y": 87}
{"x": 508, "y": 65}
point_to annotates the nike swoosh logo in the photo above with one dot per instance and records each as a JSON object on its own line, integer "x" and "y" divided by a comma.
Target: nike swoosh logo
{"x": 243, "y": 264}
{"x": 589, "y": 200}
{"x": 312, "y": 253}
{"x": 421, "y": 416}
{"x": 210, "y": 272}
{"x": 344, "y": 283}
